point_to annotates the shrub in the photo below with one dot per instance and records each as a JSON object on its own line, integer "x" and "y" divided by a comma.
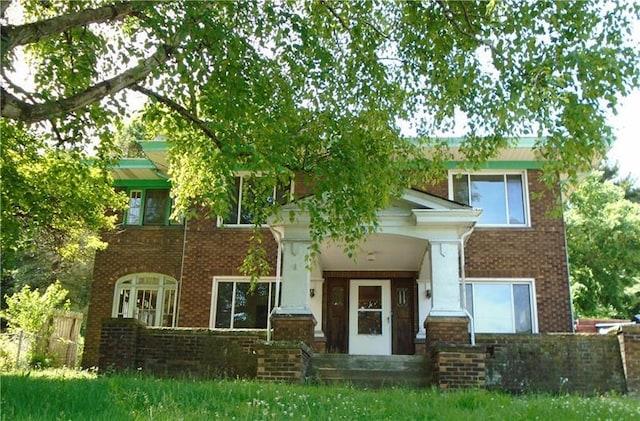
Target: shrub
{"x": 32, "y": 312}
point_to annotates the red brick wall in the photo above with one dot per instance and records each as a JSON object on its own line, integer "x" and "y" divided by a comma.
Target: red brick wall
{"x": 457, "y": 367}
{"x": 629, "y": 339}
{"x": 209, "y": 252}
{"x": 537, "y": 252}
{"x": 133, "y": 250}
{"x": 283, "y": 361}
{"x": 447, "y": 330}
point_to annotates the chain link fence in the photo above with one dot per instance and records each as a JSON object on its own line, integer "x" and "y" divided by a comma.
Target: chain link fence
{"x": 64, "y": 345}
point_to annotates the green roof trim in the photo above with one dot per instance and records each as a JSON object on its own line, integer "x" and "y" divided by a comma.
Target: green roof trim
{"x": 520, "y": 142}
{"x": 501, "y": 165}
{"x": 142, "y": 184}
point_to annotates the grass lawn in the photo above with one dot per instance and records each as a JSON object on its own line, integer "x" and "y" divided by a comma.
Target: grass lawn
{"x": 73, "y": 395}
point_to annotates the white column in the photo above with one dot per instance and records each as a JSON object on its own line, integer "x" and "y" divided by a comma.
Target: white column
{"x": 296, "y": 277}
{"x": 316, "y": 305}
{"x": 424, "y": 305}
{"x": 424, "y": 285}
{"x": 445, "y": 277}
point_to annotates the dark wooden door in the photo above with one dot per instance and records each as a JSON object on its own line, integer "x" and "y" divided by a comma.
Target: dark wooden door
{"x": 403, "y": 294}
{"x": 337, "y": 306}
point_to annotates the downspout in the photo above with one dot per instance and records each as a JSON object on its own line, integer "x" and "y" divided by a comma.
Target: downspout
{"x": 278, "y": 237}
{"x": 184, "y": 246}
{"x": 463, "y": 297}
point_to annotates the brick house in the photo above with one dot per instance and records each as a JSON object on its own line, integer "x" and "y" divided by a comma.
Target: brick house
{"x": 488, "y": 239}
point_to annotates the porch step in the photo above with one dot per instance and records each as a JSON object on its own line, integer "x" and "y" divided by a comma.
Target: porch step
{"x": 371, "y": 370}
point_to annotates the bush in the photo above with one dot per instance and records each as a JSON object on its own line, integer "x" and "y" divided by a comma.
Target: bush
{"x": 32, "y": 313}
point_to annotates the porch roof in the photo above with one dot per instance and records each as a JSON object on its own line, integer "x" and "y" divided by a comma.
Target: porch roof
{"x": 405, "y": 229}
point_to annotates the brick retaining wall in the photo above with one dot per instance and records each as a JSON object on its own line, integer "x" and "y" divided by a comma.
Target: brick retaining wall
{"x": 555, "y": 363}
{"x": 629, "y": 340}
{"x": 458, "y": 366}
{"x": 283, "y": 361}
{"x": 198, "y": 353}
{"x": 552, "y": 363}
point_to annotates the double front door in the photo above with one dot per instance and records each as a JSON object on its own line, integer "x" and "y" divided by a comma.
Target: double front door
{"x": 370, "y": 316}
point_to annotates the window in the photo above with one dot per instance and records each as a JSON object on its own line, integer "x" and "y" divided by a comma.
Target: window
{"x": 148, "y": 297}
{"x": 246, "y": 193}
{"x": 149, "y": 207}
{"x": 502, "y": 197}
{"x": 501, "y": 306}
{"x": 236, "y": 306}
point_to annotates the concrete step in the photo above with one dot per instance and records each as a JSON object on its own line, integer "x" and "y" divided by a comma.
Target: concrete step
{"x": 371, "y": 370}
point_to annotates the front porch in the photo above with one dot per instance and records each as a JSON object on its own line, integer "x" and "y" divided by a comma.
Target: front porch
{"x": 378, "y": 300}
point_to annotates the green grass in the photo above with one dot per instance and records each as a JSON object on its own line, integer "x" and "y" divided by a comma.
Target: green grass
{"x": 68, "y": 395}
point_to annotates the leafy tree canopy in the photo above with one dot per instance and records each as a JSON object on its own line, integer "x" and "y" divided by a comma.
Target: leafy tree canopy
{"x": 603, "y": 239}
{"x": 52, "y": 199}
{"x": 322, "y": 87}
{"x": 611, "y": 172}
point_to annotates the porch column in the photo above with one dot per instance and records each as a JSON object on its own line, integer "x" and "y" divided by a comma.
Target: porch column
{"x": 316, "y": 294}
{"x": 424, "y": 301}
{"x": 447, "y": 321}
{"x": 293, "y": 319}
{"x": 296, "y": 277}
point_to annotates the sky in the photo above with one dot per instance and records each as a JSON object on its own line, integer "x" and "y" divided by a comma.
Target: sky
{"x": 626, "y": 148}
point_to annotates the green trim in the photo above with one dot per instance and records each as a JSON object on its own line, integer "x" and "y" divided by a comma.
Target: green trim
{"x": 135, "y": 163}
{"x": 513, "y": 143}
{"x": 142, "y": 184}
{"x": 501, "y": 165}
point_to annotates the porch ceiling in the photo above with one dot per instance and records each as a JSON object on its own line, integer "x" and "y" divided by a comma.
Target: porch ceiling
{"x": 378, "y": 252}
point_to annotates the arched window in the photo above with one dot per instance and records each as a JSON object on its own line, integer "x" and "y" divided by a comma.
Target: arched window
{"x": 149, "y": 297}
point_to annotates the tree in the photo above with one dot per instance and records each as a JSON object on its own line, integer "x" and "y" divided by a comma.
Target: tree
{"x": 54, "y": 203}
{"x": 603, "y": 239}
{"x": 321, "y": 87}
{"x": 611, "y": 172}
{"x": 32, "y": 312}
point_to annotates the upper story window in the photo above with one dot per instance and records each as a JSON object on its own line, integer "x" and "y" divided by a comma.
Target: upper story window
{"x": 149, "y": 207}
{"x": 502, "y": 197}
{"x": 246, "y": 193}
{"x": 149, "y": 297}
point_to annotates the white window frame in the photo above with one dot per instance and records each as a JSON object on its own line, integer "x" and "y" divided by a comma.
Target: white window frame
{"x": 525, "y": 193}
{"x": 165, "y": 283}
{"x": 143, "y": 206}
{"x": 236, "y": 279}
{"x": 510, "y": 281}
{"x": 242, "y": 176}
{"x": 140, "y": 208}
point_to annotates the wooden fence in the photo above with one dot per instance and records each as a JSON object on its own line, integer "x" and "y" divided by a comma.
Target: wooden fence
{"x": 63, "y": 343}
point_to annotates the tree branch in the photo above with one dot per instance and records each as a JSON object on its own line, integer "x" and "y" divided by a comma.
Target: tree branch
{"x": 335, "y": 15}
{"x": 15, "y": 35}
{"x": 186, "y": 114}
{"x": 448, "y": 13}
{"x": 17, "y": 109}
{"x": 4, "y": 5}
